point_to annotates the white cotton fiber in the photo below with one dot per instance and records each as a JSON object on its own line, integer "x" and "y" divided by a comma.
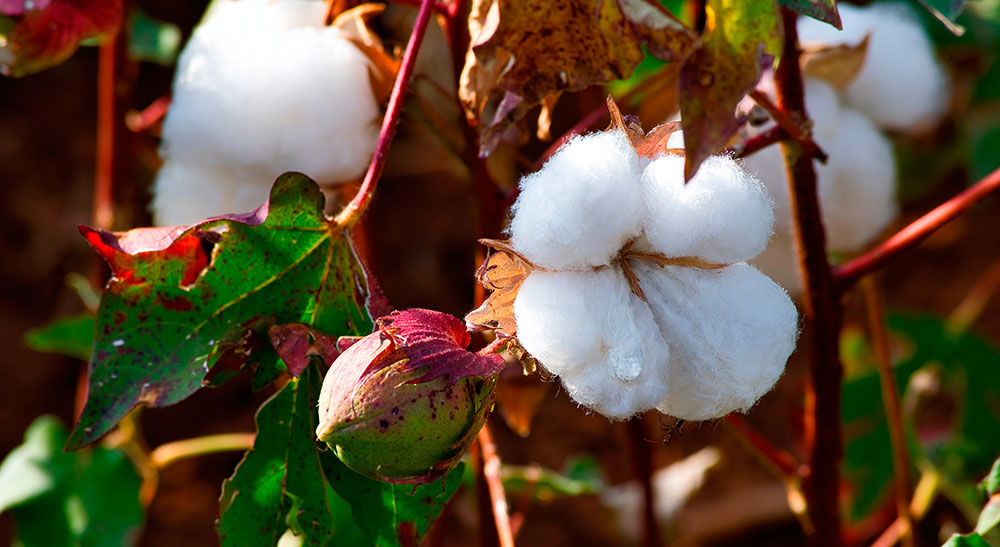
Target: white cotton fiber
{"x": 190, "y": 192}
{"x": 857, "y": 186}
{"x": 723, "y": 214}
{"x": 588, "y": 328}
{"x": 780, "y": 262}
{"x": 581, "y": 206}
{"x": 901, "y": 85}
{"x": 730, "y": 333}
{"x": 822, "y": 107}
{"x": 264, "y": 85}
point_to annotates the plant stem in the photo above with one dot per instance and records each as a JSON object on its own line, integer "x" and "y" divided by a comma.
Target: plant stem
{"x": 923, "y": 496}
{"x": 917, "y": 231}
{"x": 791, "y": 126}
{"x": 893, "y": 408}
{"x": 353, "y": 211}
{"x": 168, "y": 453}
{"x": 971, "y": 307}
{"x": 643, "y": 458}
{"x": 757, "y": 143}
{"x": 821, "y": 306}
{"x": 494, "y": 483}
{"x": 139, "y": 121}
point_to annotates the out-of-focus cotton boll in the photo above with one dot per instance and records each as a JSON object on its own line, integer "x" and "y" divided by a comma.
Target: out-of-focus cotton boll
{"x": 187, "y": 192}
{"x": 264, "y": 85}
{"x": 581, "y": 206}
{"x": 723, "y": 214}
{"x": 730, "y": 332}
{"x": 600, "y": 339}
{"x": 901, "y": 85}
{"x": 857, "y": 186}
{"x": 823, "y": 108}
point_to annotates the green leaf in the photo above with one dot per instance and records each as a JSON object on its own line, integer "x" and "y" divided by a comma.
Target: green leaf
{"x": 186, "y": 302}
{"x": 946, "y": 11}
{"x": 280, "y": 484}
{"x": 821, "y": 10}
{"x": 990, "y": 517}
{"x": 87, "y": 498}
{"x": 72, "y": 336}
{"x": 984, "y": 146}
{"x": 992, "y": 481}
{"x": 720, "y": 71}
{"x": 971, "y": 540}
{"x": 960, "y": 443}
{"x": 391, "y": 514}
{"x": 151, "y": 39}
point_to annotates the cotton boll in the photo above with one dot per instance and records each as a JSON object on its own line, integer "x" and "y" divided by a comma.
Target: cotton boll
{"x": 581, "y": 206}
{"x": 901, "y": 85}
{"x": 186, "y": 193}
{"x": 730, "y": 333}
{"x": 768, "y": 165}
{"x": 723, "y": 214}
{"x": 857, "y": 186}
{"x": 822, "y": 107}
{"x": 257, "y": 87}
{"x": 600, "y": 339}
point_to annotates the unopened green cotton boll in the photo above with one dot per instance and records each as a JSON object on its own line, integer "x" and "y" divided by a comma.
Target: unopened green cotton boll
{"x": 263, "y": 87}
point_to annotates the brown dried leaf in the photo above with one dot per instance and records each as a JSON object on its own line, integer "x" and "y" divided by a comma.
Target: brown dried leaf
{"x": 650, "y": 144}
{"x": 838, "y": 65}
{"x": 503, "y": 271}
{"x": 524, "y": 51}
{"x": 519, "y": 397}
{"x": 354, "y": 23}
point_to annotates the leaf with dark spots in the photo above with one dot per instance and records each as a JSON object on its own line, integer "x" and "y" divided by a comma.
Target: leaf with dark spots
{"x": 435, "y": 341}
{"x": 49, "y": 31}
{"x": 821, "y": 10}
{"x": 297, "y": 344}
{"x": 280, "y": 483}
{"x": 526, "y": 52}
{"x": 283, "y": 263}
{"x": 720, "y": 71}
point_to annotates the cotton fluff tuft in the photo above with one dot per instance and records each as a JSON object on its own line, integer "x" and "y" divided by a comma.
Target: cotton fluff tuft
{"x": 264, "y": 87}
{"x": 602, "y": 341}
{"x": 723, "y": 214}
{"x": 581, "y": 206}
{"x": 901, "y": 85}
{"x": 187, "y": 192}
{"x": 730, "y": 332}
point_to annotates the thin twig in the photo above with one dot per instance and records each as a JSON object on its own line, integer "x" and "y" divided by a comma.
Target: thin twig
{"x": 893, "y": 409}
{"x": 168, "y": 453}
{"x": 353, "y": 211}
{"x": 491, "y": 472}
{"x": 783, "y": 464}
{"x": 757, "y": 143}
{"x": 917, "y": 231}
{"x": 971, "y": 307}
{"x": 821, "y": 307}
{"x": 139, "y": 121}
{"x": 791, "y": 127}
{"x": 923, "y": 496}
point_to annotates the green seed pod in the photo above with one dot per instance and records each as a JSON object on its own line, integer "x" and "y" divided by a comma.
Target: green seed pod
{"x": 404, "y": 403}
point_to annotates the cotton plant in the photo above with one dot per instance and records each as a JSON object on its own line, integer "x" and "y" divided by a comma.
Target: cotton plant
{"x": 898, "y": 86}
{"x": 632, "y": 286}
{"x": 263, "y": 87}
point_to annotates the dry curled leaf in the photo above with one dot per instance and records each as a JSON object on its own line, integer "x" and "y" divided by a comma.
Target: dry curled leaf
{"x": 354, "y": 23}
{"x": 525, "y": 51}
{"x": 503, "y": 271}
{"x": 519, "y": 396}
{"x": 838, "y": 65}
{"x": 650, "y": 144}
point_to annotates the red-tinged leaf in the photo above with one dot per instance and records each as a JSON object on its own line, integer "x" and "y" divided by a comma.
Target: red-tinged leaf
{"x": 526, "y": 52}
{"x": 436, "y": 341}
{"x": 721, "y": 70}
{"x": 50, "y": 31}
{"x": 297, "y": 344}
{"x": 821, "y": 10}
{"x": 182, "y": 305}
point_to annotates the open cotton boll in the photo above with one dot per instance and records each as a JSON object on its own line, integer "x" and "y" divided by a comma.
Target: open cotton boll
{"x": 730, "y": 332}
{"x": 723, "y": 214}
{"x": 589, "y": 329}
{"x": 256, "y": 87}
{"x": 581, "y": 206}
{"x": 901, "y": 85}
{"x": 822, "y": 107}
{"x": 186, "y": 193}
{"x": 857, "y": 186}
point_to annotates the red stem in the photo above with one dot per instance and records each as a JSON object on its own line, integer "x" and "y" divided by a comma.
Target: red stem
{"x": 643, "y": 458}
{"x": 783, "y": 462}
{"x": 352, "y": 212}
{"x": 757, "y": 143}
{"x": 498, "y": 498}
{"x": 791, "y": 126}
{"x": 821, "y": 306}
{"x": 917, "y": 231}
{"x": 140, "y": 121}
